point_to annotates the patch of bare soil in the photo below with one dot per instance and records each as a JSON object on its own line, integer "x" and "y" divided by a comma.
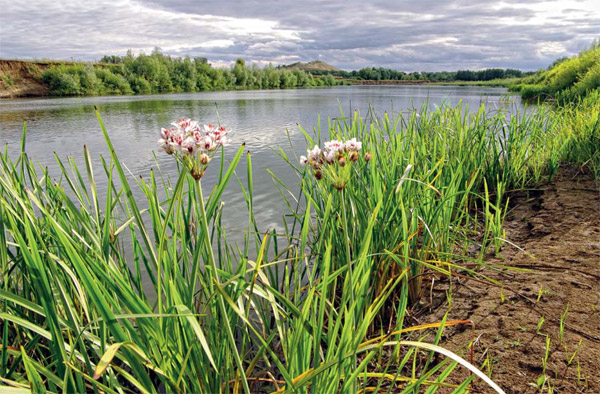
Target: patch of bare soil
{"x": 21, "y": 78}
{"x": 558, "y": 227}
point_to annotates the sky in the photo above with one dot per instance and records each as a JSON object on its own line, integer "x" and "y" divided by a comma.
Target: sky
{"x": 415, "y": 35}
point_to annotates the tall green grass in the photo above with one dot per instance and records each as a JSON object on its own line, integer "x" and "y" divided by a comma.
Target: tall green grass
{"x": 439, "y": 180}
{"x": 565, "y": 81}
{"x": 107, "y": 293}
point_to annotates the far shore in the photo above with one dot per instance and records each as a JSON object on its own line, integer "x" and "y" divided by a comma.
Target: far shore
{"x": 20, "y": 78}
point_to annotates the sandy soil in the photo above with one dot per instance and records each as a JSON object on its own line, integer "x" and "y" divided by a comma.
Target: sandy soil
{"x": 558, "y": 226}
{"x": 18, "y": 79}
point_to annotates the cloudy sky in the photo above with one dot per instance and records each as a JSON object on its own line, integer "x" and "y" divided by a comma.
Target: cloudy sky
{"x": 409, "y": 35}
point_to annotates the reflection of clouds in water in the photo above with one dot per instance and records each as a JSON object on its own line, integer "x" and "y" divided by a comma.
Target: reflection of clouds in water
{"x": 259, "y": 118}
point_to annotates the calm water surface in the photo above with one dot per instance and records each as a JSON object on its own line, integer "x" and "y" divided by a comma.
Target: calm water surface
{"x": 258, "y": 118}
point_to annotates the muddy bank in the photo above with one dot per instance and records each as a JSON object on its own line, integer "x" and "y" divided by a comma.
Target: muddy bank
{"x": 552, "y": 290}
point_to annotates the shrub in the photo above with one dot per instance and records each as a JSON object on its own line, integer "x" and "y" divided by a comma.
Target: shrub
{"x": 88, "y": 81}
{"x": 61, "y": 82}
{"x": 113, "y": 83}
{"x": 140, "y": 85}
{"x": 534, "y": 92}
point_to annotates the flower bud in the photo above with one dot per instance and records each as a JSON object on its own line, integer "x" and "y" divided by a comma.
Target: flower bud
{"x": 204, "y": 159}
{"x": 368, "y": 157}
{"x": 342, "y": 161}
{"x": 318, "y": 175}
{"x": 339, "y": 185}
{"x": 196, "y": 173}
{"x": 353, "y": 156}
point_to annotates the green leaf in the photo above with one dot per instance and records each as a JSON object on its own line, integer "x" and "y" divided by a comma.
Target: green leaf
{"x": 35, "y": 380}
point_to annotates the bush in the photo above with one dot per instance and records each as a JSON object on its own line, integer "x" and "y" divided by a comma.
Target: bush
{"x": 140, "y": 85}
{"x": 7, "y": 80}
{"x": 61, "y": 82}
{"x": 89, "y": 83}
{"x": 113, "y": 83}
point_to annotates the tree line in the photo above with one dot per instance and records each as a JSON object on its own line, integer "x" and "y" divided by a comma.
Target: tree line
{"x": 159, "y": 73}
{"x": 386, "y": 74}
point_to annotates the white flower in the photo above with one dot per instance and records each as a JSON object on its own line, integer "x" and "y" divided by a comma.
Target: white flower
{"x": 314, "y": 153}
{"x": 216, "y": 135}
{"x": 188, "y": 146}
{"x": 224, "y": 141}
{"x": 303, "y": 160}
{"x": 334, "y": 146}
{"x": 207, "y": 144}
{"x": 353, "y": 145}
{"x": 209, "y": 128}
{"x": 329, "y": 156}
{"x": 165, "y": 133}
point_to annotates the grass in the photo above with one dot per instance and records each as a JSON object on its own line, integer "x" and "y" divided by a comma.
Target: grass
{"x": 320, "y": 307}
{"x": 565, "y": 81}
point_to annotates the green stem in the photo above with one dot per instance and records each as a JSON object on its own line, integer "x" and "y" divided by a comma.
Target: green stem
{"x": 221, "y": 303}
{"x": 346, "y": 238}
{"x": 349, "y": 263}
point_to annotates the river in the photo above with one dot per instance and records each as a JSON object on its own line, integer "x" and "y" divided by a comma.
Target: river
{"x": 261, "y": 119}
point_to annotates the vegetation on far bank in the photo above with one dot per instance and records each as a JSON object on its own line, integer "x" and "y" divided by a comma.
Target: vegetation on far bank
{"x": 500, "y": 82}
{"x": 158, "y": 73}
{"x": 387, "y": 74}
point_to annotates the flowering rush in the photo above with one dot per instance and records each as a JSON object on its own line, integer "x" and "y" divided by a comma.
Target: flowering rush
{"x": 335, "y": 160}
{"x": 194, "y": 145}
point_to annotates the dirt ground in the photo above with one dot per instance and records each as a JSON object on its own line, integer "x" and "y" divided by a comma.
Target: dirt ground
{"x": 17, "y": 79}
{"x": 558, "y": 227}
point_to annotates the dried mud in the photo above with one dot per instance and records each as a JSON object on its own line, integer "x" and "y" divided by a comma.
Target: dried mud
{"x": 558, "y": 228}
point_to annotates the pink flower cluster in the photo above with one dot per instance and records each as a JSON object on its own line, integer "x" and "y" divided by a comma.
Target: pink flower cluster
{"x": 333, "y": 150}
{"x": 335, "y": 161}
{"x": 187, "y": 137}
{"x": 193, "y": 145}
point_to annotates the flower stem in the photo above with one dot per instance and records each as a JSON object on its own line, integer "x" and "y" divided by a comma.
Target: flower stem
{"x": 348, "y": 262}
{"x": 221, "y": 303}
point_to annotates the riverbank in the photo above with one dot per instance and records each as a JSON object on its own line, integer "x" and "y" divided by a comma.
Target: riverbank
{"x": 22, "y": 78}
{"x": 539, "y": 327}
{"x": 144, "y": 74}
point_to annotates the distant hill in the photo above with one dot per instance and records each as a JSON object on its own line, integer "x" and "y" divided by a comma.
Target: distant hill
{"x": 315, "y": 65}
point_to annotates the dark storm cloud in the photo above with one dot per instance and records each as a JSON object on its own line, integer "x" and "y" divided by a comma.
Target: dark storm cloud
{"x": 406, "y": 35}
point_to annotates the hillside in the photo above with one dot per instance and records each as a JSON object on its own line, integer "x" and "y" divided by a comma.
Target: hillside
{"x": 315, "y": 65}
{"x": 566, "y": 80}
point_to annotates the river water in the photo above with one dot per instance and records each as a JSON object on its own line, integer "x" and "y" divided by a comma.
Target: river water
{"x": 261, "y": 119}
